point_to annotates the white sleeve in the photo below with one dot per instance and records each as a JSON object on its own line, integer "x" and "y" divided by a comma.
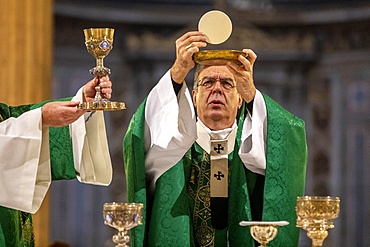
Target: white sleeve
{"x": 25, "y": 164}
{"x": 253, "y": 142}
{"x": 171, "y": 127}
{"x": 25, "y": 157}
{"x": 90, "y": 148}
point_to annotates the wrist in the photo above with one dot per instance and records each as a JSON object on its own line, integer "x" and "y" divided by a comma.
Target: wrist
{"x": 177, "y": 75}
{"x": 44, "y": 120}
{"x": 249, "y": 96}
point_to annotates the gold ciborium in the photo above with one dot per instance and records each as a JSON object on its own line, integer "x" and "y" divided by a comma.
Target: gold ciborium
{"x": 123, "y": 217}
{"x": 264, "y": 231}
{"x": 316, "y": 215}
{"x": 99, "y": 42}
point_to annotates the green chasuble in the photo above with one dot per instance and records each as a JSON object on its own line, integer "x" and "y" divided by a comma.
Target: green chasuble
{"x": 172, "y": 216}
{"x": 15, "y": 226}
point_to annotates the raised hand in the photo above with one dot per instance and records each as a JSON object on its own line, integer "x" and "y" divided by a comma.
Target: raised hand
{"x": 186, "y": 46}
{"x": 243, "y": 75}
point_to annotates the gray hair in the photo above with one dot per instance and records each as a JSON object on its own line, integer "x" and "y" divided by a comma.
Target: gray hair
{"x": 199, "y": 68}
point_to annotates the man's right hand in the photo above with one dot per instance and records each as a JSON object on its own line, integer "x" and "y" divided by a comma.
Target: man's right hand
{"x": 58, "y": 114}
{"x": 186, "y": 46}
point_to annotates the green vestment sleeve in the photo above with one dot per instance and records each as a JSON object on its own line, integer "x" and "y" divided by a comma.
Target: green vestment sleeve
{"x": 168, "y": 216}
{"x": 134, "y": 161}
{"x": 16, "y": 226}
{"x": 286, "y": 164}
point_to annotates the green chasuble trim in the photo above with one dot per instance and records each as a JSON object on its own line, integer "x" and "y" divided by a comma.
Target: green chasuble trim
{"x": 168, "y": 216}
{"x": 15, "y": 226}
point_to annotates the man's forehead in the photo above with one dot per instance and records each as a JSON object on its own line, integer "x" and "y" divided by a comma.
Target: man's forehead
{"x": 220, "y": 71}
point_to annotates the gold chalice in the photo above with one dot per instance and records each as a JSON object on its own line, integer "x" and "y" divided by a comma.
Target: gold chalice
{"x": 99, "y": 42}
{"x": 122, "y": 216}
{"x": 264, "y": 231}
{"x": 316, "y": 215}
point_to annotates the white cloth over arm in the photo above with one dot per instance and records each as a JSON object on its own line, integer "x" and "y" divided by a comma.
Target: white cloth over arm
{"x": 90, "y": 148}
{"x": 170, "y": 127}
{"x": 253, "y": 142}
{"x": 25, "y": 158}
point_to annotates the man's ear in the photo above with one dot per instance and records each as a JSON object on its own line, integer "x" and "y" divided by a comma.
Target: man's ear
{"x": 240, "y": 101}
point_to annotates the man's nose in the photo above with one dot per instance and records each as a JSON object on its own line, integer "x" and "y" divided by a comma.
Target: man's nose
{"x": 217, "y": 87}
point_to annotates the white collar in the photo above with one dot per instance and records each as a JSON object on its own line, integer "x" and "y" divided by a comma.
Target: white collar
{"x": 205, "y": 135}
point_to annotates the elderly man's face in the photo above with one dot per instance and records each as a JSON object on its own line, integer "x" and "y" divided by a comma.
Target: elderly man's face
{"x": 216, "y": 99}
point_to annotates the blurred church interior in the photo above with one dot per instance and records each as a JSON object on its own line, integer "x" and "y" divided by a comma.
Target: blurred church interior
{"x": 313, "y": 58}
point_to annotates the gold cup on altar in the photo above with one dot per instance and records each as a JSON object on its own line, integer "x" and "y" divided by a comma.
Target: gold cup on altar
{"x": 316, "y": 215}
{"x": 99, "y": 42}
{"x": 123, "y": 217}
{"x": 264, "y": 231}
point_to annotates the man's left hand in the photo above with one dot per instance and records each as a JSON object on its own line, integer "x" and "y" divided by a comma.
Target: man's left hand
{"x": 243, "y": 75}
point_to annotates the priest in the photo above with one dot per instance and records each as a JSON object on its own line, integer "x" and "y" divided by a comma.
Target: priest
{"x": 201, "y": 164}
{"x": 36, "y": 149}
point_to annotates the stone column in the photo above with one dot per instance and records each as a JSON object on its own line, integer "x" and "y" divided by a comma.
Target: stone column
{"x": 26, "y": 67}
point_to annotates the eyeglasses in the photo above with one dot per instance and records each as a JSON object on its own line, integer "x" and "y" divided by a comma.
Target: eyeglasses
{"x": 208, "y": 83}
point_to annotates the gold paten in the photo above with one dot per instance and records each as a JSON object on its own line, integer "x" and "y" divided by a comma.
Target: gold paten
{"x": 99, "y": 42}
{"x": 218, "y": 57}
{"x": 316, "y": 215}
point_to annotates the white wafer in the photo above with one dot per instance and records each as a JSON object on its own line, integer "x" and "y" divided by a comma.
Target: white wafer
{"x": 216, "y": 25}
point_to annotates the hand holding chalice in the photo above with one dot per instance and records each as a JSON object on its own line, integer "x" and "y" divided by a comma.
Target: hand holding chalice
{"x": 99, "y": 42}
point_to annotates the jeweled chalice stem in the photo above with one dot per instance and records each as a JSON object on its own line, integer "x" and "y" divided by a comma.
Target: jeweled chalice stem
{"x": 122, "y": 239}
{"x": 99, "y": 71}
{"x": 317, "y": 237}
